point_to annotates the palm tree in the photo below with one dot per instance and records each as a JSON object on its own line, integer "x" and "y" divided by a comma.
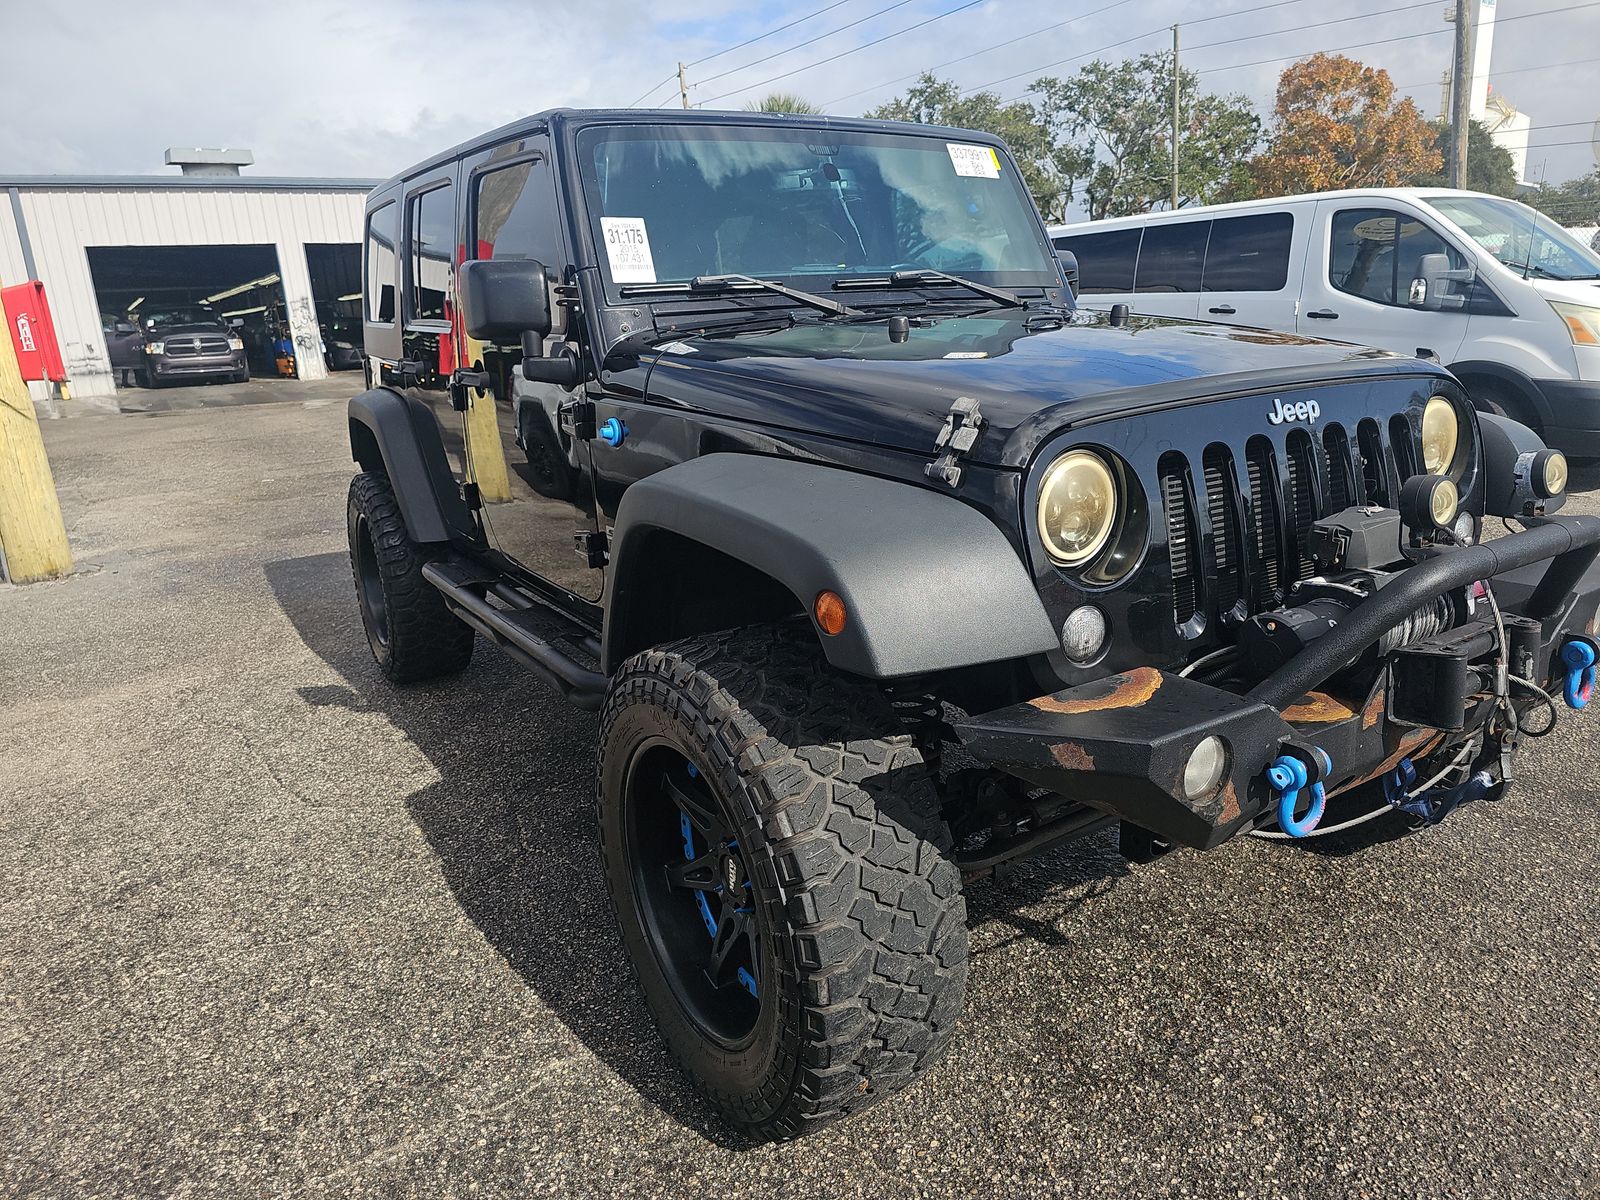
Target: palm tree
{"x": 782, "y": 102}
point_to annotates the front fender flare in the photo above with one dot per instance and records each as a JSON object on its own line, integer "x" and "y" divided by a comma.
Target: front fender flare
{"x": 400, "y": 436}
{"x": 928, "y": 583}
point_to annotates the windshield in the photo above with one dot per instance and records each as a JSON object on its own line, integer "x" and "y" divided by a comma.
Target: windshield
{"x": 1522, "y": 239}
{"x": 672, "y": 203}
{"x": 189, "y": 314}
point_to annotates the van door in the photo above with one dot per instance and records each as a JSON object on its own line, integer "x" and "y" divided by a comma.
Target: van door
{"x": 1368, "y": 256}
{"x": 532, "y": 474}
{"x": 1167, "y": 281}
{"x": 1248, "y": 278}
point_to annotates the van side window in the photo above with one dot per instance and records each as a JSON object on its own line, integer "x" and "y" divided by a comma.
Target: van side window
{"x": 1105, "y": 260}
{"x": 1374, "y": 253}
{"x": 383, "y": 232}
{"x": 432, "y": 252}
{"x": 1249, "y": 254}
{"x": 1171, "y": 256}
{"x": 515, "y": 215}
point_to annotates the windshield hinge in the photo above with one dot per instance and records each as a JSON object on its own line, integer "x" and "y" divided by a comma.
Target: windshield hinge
{"x": 960, "y": 431}
{"x": 577, "y": 419}
{"x": 592, "y": 546}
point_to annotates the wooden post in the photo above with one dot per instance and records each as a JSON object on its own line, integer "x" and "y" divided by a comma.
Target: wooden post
{"x": 33, "y": 541}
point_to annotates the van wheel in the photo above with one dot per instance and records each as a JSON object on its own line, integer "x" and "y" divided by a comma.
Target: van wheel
{"x": 412, "y": 634}
{"x": 1502, "y": 401}
{"x": 780, "y": 873}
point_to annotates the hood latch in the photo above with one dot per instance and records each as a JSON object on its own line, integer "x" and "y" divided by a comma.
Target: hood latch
{"x": 958, "y": 434}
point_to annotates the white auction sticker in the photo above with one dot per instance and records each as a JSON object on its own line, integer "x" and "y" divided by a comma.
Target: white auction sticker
{"x": 628, "y": 248}
{"x": 974, "y": 162}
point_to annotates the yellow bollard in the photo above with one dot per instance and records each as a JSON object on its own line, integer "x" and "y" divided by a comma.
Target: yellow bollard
{"x": 33, "y": 541}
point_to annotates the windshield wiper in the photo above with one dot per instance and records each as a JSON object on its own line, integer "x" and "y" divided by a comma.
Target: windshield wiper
{"x": 927, "y": 275}
{"x": 722, "y": 283}
{"x": 641, "y": 340}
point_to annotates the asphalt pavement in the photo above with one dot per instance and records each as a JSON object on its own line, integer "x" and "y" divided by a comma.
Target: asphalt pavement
{"x": 272, "y": 927}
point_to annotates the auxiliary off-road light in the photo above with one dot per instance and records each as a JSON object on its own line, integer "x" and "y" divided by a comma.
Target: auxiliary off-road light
{"x": 1428, "y": 502}
{"x": 1077, "y": 507}
{"x": 828, "y": 608}
{"x": 1441, "y": 430}
{"x": 1203, "y": 772}
{"x": 1547, "y": 473}
{"x": 1083, "y": 634}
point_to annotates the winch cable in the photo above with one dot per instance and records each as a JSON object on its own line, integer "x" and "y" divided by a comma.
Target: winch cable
{"x": 1323, "y": 830}
{"x": 1549, "y": 702}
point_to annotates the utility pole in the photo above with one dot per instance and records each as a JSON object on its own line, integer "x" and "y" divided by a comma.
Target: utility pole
{"x": 1461, "y": 95}
{"x": 33, "y": 540}
{"x": 683, "y": 86}
{"x": 1176, "y": 75}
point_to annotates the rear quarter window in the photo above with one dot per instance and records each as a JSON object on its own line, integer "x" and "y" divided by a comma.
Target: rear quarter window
{"x": 381, "y": 287}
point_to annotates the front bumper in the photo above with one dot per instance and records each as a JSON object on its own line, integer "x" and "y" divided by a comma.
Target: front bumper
{"x": 200, "y": 364}
{"x": 1121, "y": 743}
{"x": 1574, "y": 422}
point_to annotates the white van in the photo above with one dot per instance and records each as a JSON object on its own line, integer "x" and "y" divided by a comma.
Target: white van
{"x": 1502, "y": 295}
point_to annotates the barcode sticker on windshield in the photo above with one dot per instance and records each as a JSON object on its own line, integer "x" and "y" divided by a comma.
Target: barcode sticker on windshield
{"x": 974, "y": 162}
{"x": 628, "y": 248}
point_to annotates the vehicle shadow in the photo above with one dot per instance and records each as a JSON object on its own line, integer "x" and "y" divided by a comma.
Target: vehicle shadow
{"x": 511, "y": 820}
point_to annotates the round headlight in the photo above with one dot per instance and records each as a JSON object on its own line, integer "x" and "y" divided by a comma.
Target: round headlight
{"x": 1077, "y": 507}
{"x": 1203, "y": 771}
{"x": 1441, "y": 429}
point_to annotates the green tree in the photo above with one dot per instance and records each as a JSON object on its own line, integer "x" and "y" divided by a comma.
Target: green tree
{"x": 1114, "y": 120}
{"x": 1490, "y": 167}
{"x": 783, "y": 102}
{"x": 1047, "y": 170}
{"x": 1575, "y": 202}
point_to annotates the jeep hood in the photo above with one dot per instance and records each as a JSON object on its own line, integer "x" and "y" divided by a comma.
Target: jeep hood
{"x": 1030, "y": 382}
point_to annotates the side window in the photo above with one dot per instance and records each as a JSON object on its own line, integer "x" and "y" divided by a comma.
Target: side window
{"x": 383, "y": 233}
{"x": 514, "y": 215}
{"x": 1249, "y": 254}
{"x": 1374, "y": 253}
{"x": 1105, "y": 260}
{"x": 432, "y": 253}
{"x": 1171, "y": 256}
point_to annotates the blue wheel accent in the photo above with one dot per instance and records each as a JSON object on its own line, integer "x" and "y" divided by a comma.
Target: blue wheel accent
{"x": 1578, "y": 658}
{"x": 688, "y": 836}
{"x": 1288, "y": 778}
{"x": 694, "y": 771}
{"x": 747, "y": 981}
{"x": 705, "y": 913}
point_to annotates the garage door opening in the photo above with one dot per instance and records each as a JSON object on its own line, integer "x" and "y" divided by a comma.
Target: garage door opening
{"x": 172, "y": 314}
{"x": 335, "y": 269}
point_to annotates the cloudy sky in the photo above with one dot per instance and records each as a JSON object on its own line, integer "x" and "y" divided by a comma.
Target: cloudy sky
{"x": 364, "y": 87}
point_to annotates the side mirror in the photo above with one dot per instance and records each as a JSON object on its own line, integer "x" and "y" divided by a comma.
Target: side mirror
{"x": 236, "y": 322}
{"x": 1428, "y": 289}
{"x": 1069, "y": 268}
{"x": 124, "y": 328}
{"x": 504, "y": 298}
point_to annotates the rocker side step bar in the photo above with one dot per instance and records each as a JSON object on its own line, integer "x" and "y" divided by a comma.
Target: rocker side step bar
{"x": 528, "y": 631}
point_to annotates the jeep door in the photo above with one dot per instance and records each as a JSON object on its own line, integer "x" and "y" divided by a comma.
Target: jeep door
{"x": 1358, "y": 282}
{"x": 532, "y": 473}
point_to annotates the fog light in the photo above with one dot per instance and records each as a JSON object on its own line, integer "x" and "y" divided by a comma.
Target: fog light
{"x": 1549, "y": 473}
{"x": 1466, "y": 529}
{"x": 1428, "y": 502}
{"x": 1083, "y": 634}
{"x": 1205, "y": 768}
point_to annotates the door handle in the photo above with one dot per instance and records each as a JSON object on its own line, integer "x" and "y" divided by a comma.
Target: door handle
{"x": 1224, "y": 310}
{"x": 1323, "y": 314}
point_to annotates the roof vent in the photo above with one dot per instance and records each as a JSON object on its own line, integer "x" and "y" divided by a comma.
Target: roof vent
{"x": 200, "y": 161}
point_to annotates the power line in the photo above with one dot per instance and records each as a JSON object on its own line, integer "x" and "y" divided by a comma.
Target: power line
{"x": 1496, "y": 74}
{"x": 998, "y": 45}
{"x": 750, "y": 42}
{"x": 856, "y": 50}
{"x": 802, "y": 45}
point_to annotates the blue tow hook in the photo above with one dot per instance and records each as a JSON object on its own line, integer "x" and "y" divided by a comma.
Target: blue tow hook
{"x": 1578, "y": 657}
{"x": 1288, "y": 778}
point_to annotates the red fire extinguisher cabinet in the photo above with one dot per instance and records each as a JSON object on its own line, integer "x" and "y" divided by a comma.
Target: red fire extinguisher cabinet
{"x": 33, "y": 332}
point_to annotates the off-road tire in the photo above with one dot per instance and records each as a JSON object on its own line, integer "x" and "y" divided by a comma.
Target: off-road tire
{"x": 412, "y": 634}
{"x": 862, "y": 919}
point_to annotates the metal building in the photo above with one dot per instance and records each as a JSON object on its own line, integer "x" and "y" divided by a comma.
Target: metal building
{"x": 285, "y": 247}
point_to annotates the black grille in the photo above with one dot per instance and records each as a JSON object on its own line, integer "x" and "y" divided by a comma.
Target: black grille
{"x": 1233, "y": 537}
{"x": 195, "y": 346}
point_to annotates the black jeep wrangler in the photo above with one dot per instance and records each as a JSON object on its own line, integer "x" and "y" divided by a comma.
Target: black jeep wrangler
{"x": 779, "y": 442}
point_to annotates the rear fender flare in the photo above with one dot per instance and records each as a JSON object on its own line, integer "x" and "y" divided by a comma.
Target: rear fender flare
{"x": 928, "y": 583}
